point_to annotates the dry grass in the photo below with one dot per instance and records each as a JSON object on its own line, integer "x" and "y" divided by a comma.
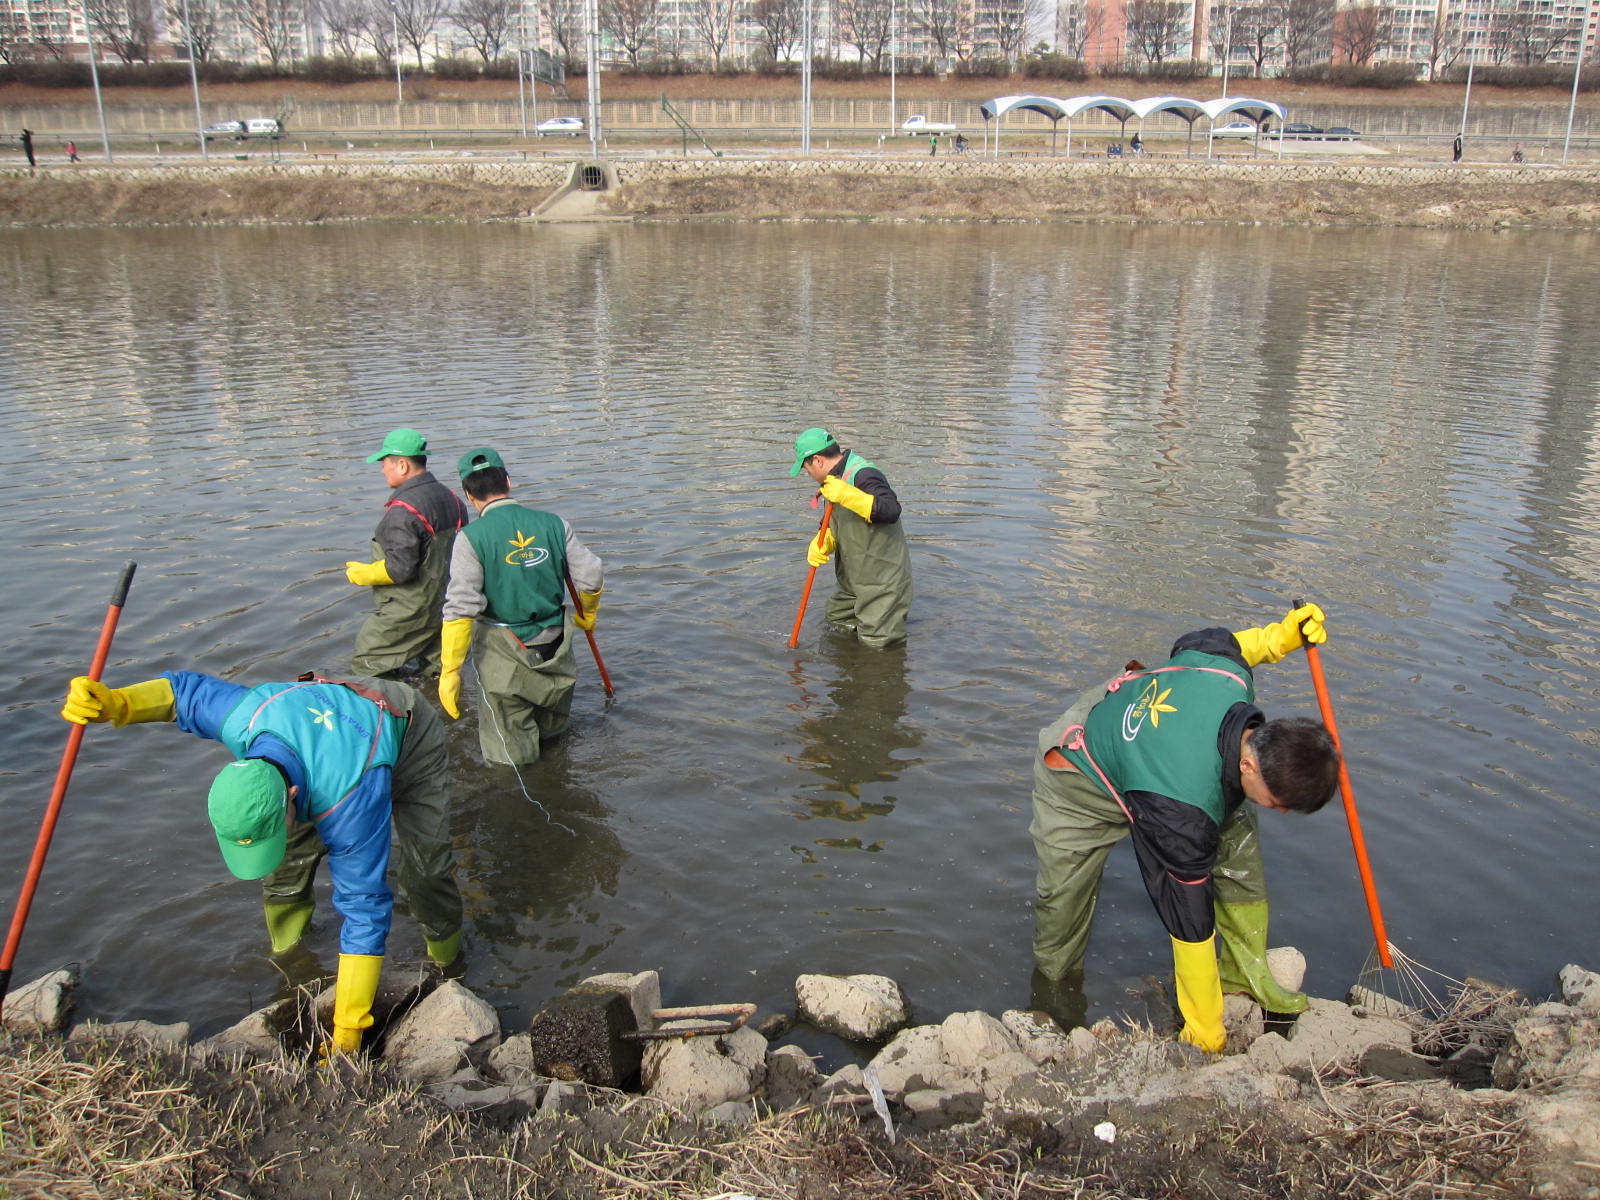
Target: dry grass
{"x": 103, "y": 1123}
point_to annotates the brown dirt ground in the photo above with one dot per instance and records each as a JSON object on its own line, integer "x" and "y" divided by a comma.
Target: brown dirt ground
{"x": 622, "y": 85}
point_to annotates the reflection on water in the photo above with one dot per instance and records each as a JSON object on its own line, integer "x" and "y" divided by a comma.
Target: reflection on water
{"x": 1103, "y": 437}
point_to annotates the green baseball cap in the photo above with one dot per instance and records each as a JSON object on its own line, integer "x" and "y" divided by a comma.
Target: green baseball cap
{"x": 246, "y": 806}
{"x": 407, "y": 443}
{"x": 477, "y": 460}
{"x": 811, "y": 441}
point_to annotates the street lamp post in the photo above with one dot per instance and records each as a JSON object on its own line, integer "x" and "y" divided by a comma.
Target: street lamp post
{"x": 94, "y": 75}
{"x": 893, "y": 110}
{"x": 805, "y": 80}
{"x": 1577, "y": 67}
{"x": 194, "y": 82}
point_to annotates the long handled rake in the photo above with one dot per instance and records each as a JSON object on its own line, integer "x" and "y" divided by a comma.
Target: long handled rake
{"x": 52, "y": 812}
{"x": 1416, "y": 994}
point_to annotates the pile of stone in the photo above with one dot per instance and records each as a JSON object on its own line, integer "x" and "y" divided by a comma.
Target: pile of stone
{"x": 607, "y": 1034}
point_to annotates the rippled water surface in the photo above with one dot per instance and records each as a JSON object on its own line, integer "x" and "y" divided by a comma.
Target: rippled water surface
{"x": 1102, "y": 436}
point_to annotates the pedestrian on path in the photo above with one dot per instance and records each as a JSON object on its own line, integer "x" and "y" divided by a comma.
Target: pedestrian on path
{"x": 27, "y": 146}
{"x": 1455, "y": 149}
{"x": 72, "y": 152}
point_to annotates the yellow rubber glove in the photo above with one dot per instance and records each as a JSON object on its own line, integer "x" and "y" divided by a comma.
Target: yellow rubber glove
{"x": 820, "y": 548}
{"x": 90, "y": 700}
{"x": 591, "y": 606}
{"x": 1194, "y": 967}
{"x": 455, "y": 639}
{"x": 1271, "y": 642}
{"x": 837, "y": 491}
{"x": 372, "y": 574}
{"x": 353, "y": 992}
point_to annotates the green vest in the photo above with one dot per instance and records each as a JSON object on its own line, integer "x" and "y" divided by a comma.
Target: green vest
{"x": 338, "y": 734}
{"x": 524, "y": 556}
{"x": 1157, "y": 732}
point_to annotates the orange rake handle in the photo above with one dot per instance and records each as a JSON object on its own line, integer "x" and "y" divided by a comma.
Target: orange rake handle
{"x": 52, "y": 812}
{"x": 1320, "y": 683}
{"x": 805, "y": 596}
{"x": 577, "y": 607}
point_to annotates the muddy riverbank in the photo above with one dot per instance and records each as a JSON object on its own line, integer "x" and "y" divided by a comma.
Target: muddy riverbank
{"x": 1351, "y": 193}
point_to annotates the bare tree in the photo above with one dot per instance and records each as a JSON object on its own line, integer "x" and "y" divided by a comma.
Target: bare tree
{"x": 195, "y": 25}
{"x": 377, "y": 27}
{"x": 713, "y": 21}
{"x": 484, "y": 23}
{"x": 344, "y": 22}
{"x": 1359, "y": 33}
{"x": 945, "y": 23}
{"x": 1537, "y": 36}
{"x": 1306, "y": 28}
{"x": 864, "y": 24}
{"x": 633, "y": 23}
{"x": 418, "y": 20}
{"x": 127, "y": 26}
{"x": 272, "y": 23}
{"x": 1258, "y": 31}
{"x": 1078, "y": 24}
{"x": 1155, "y": 27}
{"x": 564, "y": 20}
{"x": 1015, "y": 24}
{"x": 1446, "y": 40}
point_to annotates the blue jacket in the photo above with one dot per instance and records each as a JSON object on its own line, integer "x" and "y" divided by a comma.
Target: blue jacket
{"x": 348, "y": 802}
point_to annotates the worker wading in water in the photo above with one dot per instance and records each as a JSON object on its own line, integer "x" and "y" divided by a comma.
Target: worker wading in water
{"x": 872, "y": 593}
{"x": 412, "y": 560}
{"x": 508, "y": 576}
{"x": 1180, "y": 757}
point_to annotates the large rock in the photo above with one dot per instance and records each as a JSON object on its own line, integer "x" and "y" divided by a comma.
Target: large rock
{"x": 1038, "y": 1036}
{"x": 696, "y": 1074}
{"x": 643, "y": 990}
{"x": 972, "y": 1039}
{"x": 1581, "y": 989}
{"x": 582, "y": 1036}
{"x": 1332, "y": 1032}
{"x": 43, "y": 1005}
{"x": 861, "y": 1008}
{"x": 441, "y": 1034}
{"x": 914, "y": 1061}
{"x": 792, "y": 1078}
{"x": 259, "y": 1035}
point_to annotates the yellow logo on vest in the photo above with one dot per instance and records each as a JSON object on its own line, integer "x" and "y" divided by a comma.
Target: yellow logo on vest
{"x": 321, "y": 716}
{"x": 524, "y": 553}
{"x": 1151, "y": 703}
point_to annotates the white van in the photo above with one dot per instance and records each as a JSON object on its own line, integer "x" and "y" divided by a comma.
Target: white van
{"x": 267, "y": 127}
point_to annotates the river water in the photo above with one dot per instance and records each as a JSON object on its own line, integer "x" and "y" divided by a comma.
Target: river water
{"x": 1102, "y": 436}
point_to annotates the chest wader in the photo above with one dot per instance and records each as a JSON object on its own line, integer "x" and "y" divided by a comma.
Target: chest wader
{"x": 419, "y": 810}
{"x": 405, "y": 624}
{"x": 872, "y": 574}
{"x": 526, "y": 697}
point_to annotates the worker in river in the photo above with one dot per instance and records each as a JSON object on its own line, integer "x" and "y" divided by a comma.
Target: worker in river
{"x": 321, "y": 767}
{"x": 872, "y": 595}
{"x": 1181, "y": 758}
{"x": 412, "y": 560}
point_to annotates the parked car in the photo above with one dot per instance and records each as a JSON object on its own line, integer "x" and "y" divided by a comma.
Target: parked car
{"x": 571, "y": 126}
{"x": 1341, "y": 133}
{"x": 267, "y": 127}
{"x": 1238, "y": 129}
{"x": 919, "y": 124}
{"x": 218, "y": 130}
{"x": 1297, "y": 129}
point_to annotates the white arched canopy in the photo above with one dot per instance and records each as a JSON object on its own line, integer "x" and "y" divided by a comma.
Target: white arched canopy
{"x": 1120, "y": 110}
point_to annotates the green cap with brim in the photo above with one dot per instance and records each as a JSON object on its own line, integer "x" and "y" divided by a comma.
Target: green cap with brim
{"x": 246, "y": 806}
{"x": 477, "y": 460}
{"x": 407, "y": 443}
{"x": 811, "y": 441}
